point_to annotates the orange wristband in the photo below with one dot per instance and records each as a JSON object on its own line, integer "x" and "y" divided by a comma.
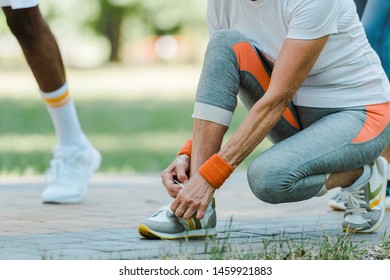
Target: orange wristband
{"x": 216, "y": 170}
{"x": 186, "y": 149}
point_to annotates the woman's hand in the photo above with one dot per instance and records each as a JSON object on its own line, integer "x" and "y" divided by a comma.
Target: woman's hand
{"x": 194, "y": 197}
{"x": 178, "y": 170}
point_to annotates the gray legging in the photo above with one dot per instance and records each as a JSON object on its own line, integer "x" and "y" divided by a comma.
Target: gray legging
{"x": 309, "y": 142}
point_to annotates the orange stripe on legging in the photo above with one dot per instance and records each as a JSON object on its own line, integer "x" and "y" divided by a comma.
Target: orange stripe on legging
{"x": 290, "y": 118}
{"x": 377, "y": 119}
{"x": 249, "y": 61}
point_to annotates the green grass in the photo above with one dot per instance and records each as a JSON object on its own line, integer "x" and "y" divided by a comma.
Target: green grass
{"x": 284, "y": 247}
{"x": 133, "y": 135}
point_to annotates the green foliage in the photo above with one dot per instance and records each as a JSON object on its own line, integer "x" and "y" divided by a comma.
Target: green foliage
{"x": 133, "y": 135}
{"x": 281, "y": 246}
{"x": 119, "y": 20}
{"x": 108, "y": 18}
{"x": 157, "y": 18}
{"x": 339, "y": 248}
{"x": 109, "y": 22}
{"x": 171, "y": 16}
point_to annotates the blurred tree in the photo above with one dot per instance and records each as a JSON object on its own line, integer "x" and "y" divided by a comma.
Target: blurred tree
{"x": 159, "y": 18}
{"x": 109, "y": 21}
{"x": 107, "y": 18}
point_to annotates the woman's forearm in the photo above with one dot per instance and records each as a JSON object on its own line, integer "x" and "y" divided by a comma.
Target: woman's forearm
{"x": 255, "y": 127}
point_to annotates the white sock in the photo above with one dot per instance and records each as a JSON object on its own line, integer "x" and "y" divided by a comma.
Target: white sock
{"x": 323, "y": 189}
{"x": 64, "y": 117}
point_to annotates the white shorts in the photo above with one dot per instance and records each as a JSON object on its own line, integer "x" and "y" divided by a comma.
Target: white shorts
{"x": 18, "y": 4}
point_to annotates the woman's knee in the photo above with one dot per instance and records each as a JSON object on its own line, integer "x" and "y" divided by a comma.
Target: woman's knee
{"x": 265, "y": 183}
{"x": 226, "y": 38}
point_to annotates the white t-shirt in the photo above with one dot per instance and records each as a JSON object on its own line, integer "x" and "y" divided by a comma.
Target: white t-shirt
{"x": 347, "y": 73}
{"x": 18, "y": 4}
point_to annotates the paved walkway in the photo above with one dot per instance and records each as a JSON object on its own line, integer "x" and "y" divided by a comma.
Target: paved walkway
{"x": 105, "y": 225}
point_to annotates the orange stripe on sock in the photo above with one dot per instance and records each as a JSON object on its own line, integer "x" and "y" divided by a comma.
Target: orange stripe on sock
{"x": 58, "y": 105}
{"x": 377, "y": 119}
{"x": 249, "y": 61}
{"x": 58, "y": 101}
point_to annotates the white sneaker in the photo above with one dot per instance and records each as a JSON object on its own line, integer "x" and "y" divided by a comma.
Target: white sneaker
{"x": 69, "y": 173}
{"x": 365, "y": 203}
{"x": 165, "y": 225}
{"x": 337, "y": 204}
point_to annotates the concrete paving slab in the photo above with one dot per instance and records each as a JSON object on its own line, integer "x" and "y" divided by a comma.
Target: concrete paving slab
{"x": 105, "y": 225}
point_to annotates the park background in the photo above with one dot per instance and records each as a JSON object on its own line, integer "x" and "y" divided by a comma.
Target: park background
{"x": 133, "y": 68}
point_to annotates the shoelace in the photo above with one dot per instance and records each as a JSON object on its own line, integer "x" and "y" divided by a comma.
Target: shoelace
{"x": 354, "y": 201}
{"x": 63, "y": 166}
{"x": 338, "y": 198}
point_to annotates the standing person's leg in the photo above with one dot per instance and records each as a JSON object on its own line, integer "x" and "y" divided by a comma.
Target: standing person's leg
{"x": 74, "y": 158}
{"x": 376, "y": 22}
{"x": 43, "y": 56}
{"x": 231, "y": 64}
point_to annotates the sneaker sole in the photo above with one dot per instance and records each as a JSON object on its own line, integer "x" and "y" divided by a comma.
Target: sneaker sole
{"x": 383, "y": 169}
{"x": 72, "y": 200}
{"x": 199, "y": 233}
